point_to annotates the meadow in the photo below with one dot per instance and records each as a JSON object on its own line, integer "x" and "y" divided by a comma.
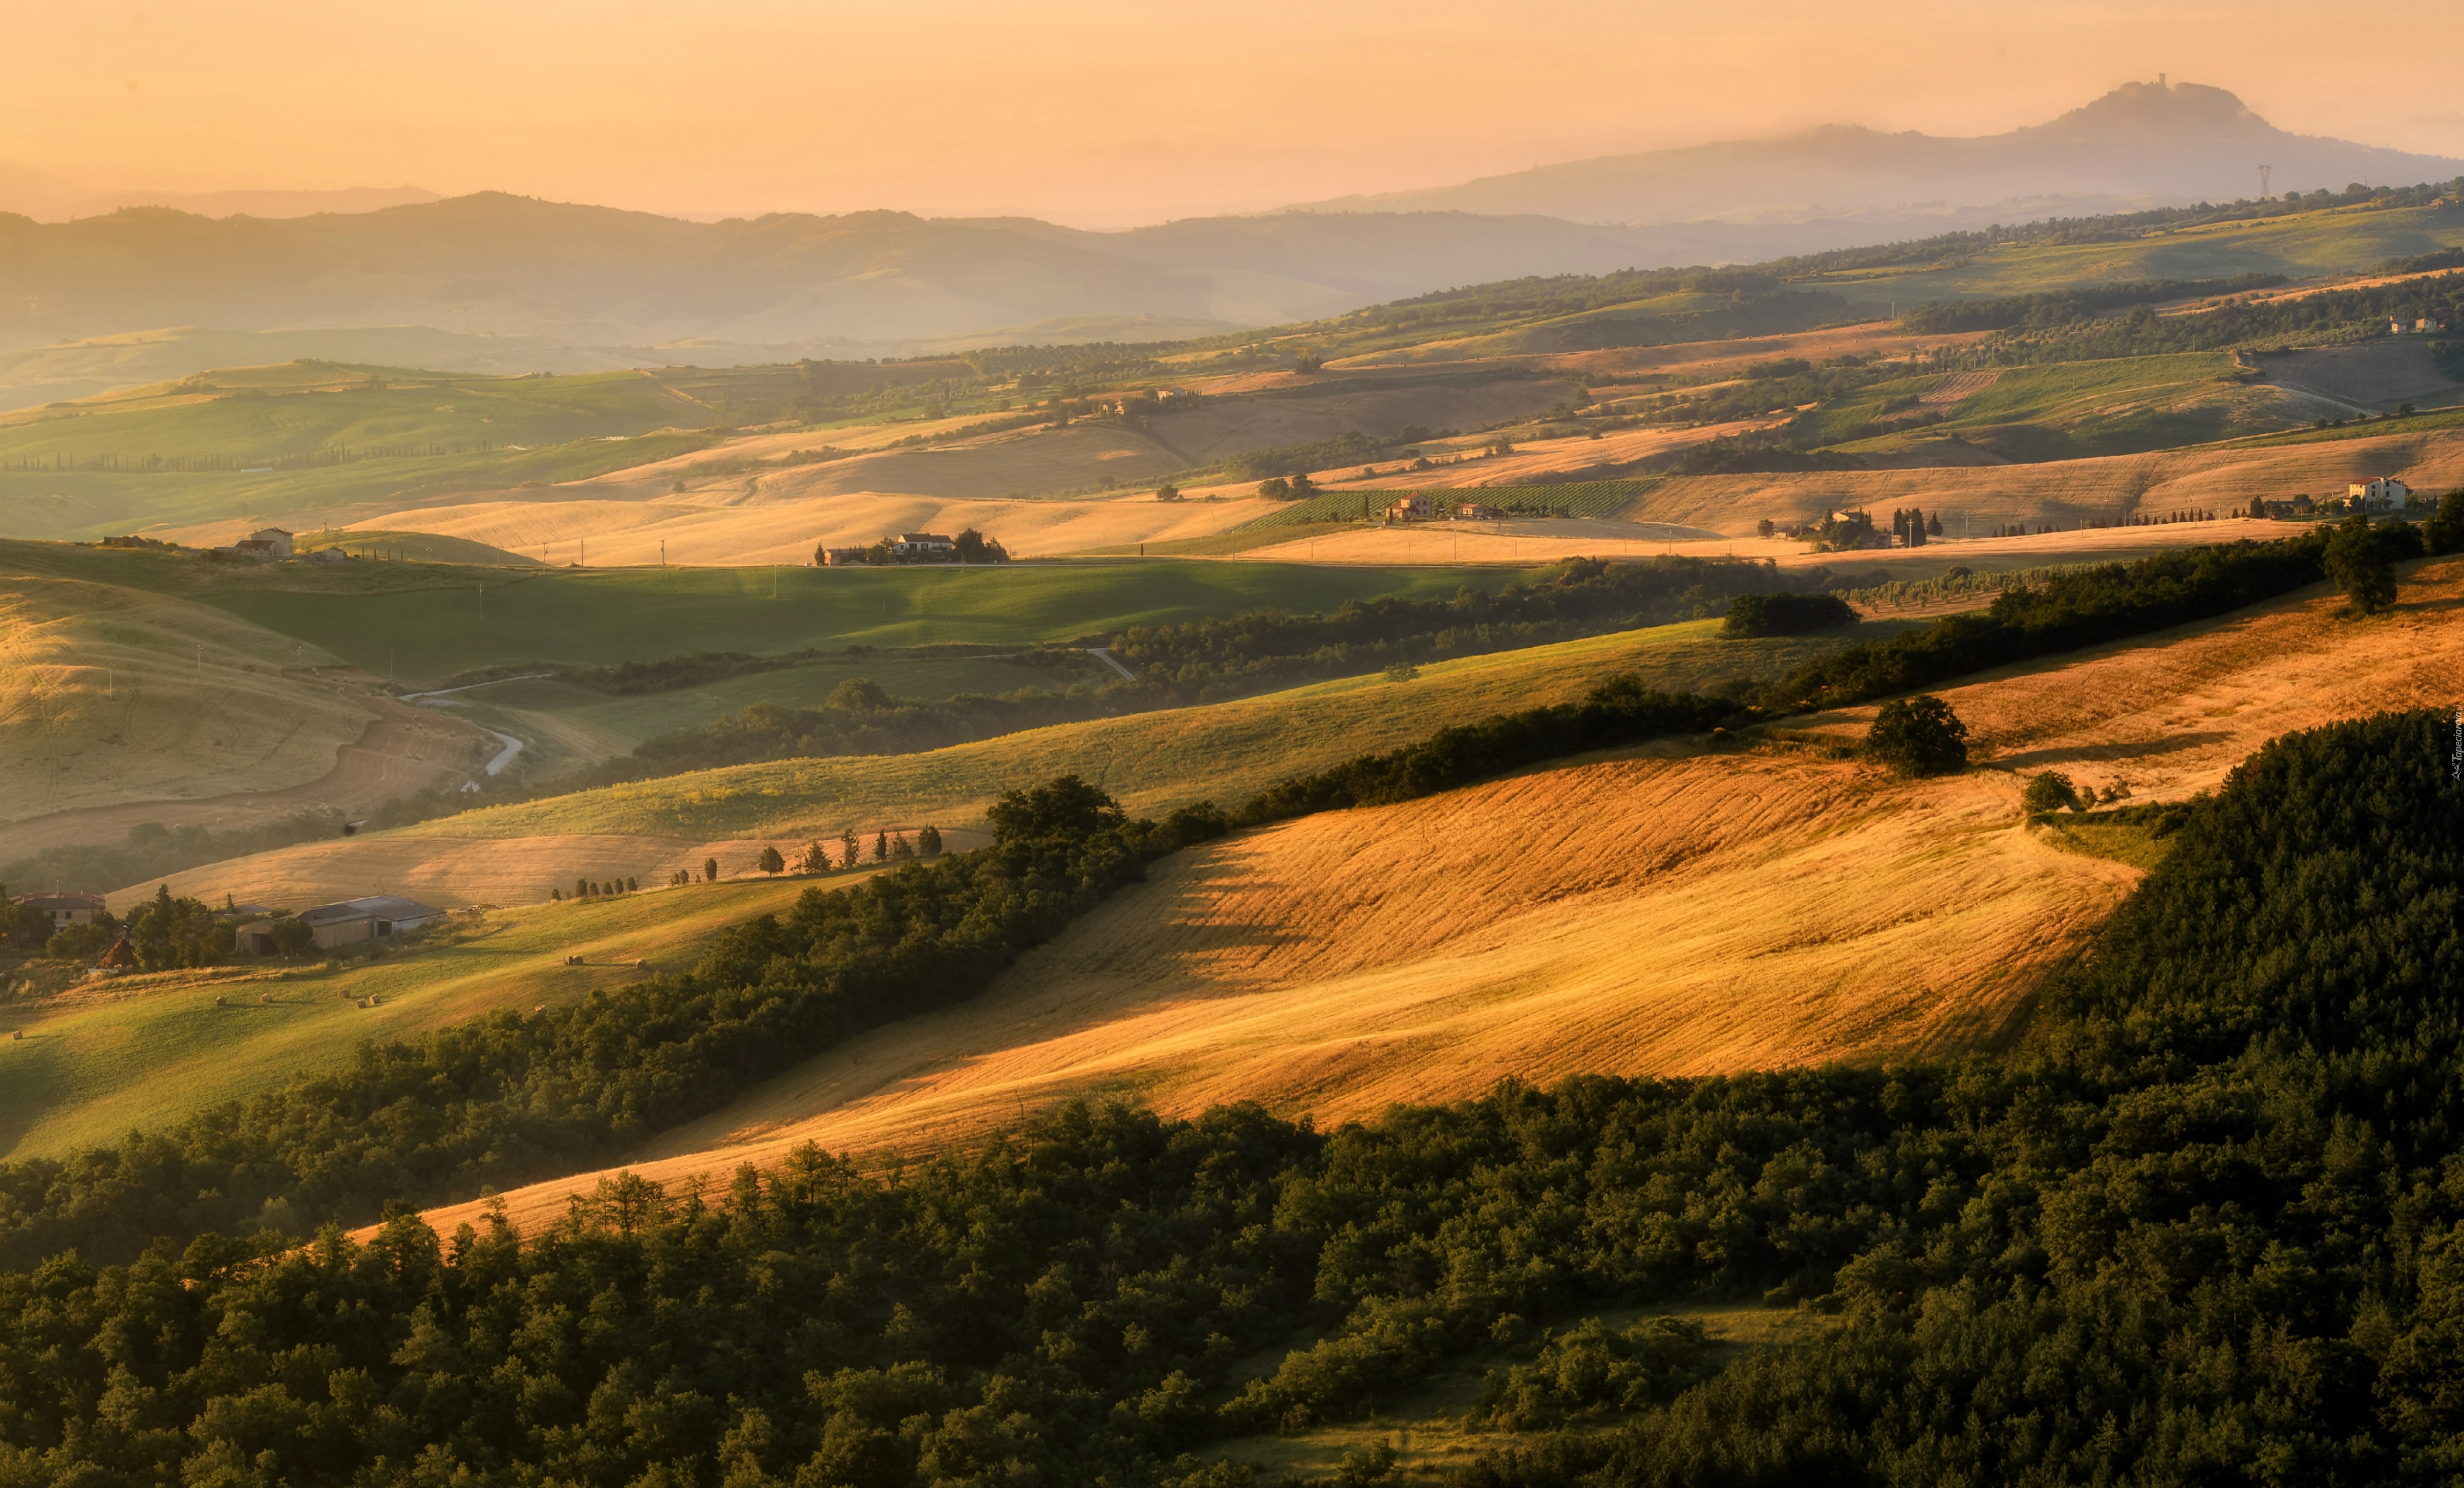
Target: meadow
{"x": 143, "y": 1051}
{"x": 594, "y": 616}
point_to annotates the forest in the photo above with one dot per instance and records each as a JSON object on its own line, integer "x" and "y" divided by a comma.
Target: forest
{"x": 2200, "y": 1226}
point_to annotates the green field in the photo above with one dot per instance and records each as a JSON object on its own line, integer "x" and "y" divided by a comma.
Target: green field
{"x": 611, "y": 614}
{"x": 2080, "y": 409}
{"x": 142, "y": 1052}
{"x": 568, "y": 726}
{"x": 2345, "y": 240}
{"x": 1154, "y": 761}
{"x": 247, "y": 442}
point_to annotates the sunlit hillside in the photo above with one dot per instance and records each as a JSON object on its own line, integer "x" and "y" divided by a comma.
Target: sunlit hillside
{"x": 1680, "y": 910}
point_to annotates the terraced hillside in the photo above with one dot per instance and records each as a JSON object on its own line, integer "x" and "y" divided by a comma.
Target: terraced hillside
{"x": 1674, "y": 909}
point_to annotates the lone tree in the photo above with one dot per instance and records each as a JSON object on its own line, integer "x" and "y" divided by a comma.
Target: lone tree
{"x": 2444, "y": 532}
{"x": 881, "y": 846}
{"x": 853, "y": 849}
{"x": 770, "y": 862}
{"x": 2362, "y": 563}
{"x": 2047, "y": 792}
{"x": 928, "y": 841}
{"x": 709, "y": 870}
{"x": 1919, "y": 737}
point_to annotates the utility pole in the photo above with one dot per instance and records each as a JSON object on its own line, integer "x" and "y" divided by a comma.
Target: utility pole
{"x": 483, "y": 602}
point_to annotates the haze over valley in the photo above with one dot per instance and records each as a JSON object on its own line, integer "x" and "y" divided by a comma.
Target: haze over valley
{"x": 962, "y": 748}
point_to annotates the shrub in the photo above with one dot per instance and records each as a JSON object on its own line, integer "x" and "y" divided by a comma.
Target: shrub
{"x": 2049, "y": 791}
{"x": 1919, "y": 737}
{"x": 1786, "y": 614}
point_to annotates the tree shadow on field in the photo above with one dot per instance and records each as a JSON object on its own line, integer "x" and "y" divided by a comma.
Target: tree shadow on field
{"x": 1192, "y": 931}
{"x": 2170, "y": 744}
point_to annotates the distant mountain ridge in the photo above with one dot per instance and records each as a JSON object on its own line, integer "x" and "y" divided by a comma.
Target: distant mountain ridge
{"x": 46, "y": 198}
{"x": 512, "y": 266}
{"x": 2143, "y": 145}
{"x": 890, "y": 283}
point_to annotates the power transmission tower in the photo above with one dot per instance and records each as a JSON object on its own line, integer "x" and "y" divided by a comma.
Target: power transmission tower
{"x": 2264, "y": 172}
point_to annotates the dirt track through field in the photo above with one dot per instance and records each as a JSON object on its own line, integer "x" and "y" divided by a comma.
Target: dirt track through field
{"x": 1672, "y": 912}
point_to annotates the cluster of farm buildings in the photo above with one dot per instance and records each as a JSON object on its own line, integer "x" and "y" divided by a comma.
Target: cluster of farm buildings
{"x": 271, "y": 545}
{"x": 907, "y": 547}
{"x": 332, "y": 927}
{"x": 1418, "y": 506}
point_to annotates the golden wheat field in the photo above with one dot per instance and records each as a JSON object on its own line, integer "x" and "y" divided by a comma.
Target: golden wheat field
{"x": 1973, "y": 500}
{"x": 453, "y": 873}
{"x": 1677, "y": 909}
{"x": 688, "y": 530}
{"x": 1542, "y": 539}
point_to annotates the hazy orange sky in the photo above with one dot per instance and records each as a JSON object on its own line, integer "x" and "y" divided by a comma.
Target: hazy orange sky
{"x": 1107, "y": 113}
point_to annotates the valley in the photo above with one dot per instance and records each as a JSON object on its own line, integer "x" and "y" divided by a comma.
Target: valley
{"x": 946, "y": 801}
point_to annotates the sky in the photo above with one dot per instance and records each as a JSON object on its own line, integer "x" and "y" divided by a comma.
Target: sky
{"x": 1104, "y": 113}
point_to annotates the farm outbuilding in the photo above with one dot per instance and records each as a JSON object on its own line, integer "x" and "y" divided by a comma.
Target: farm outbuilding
{"x": 378, "y": 917}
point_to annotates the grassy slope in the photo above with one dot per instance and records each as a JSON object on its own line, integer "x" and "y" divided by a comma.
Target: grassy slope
{"x": 1672, "y": 910}
{"x": 105, "y": 688}
{"x": 609, "y": 615}
{"x": 545, "y": 430}
{"x": 140, "y": 1052}
{"x": 572, "y": 725}
{"x": 1151, "y": 762}
{"x": 410, "y": 547}
{"x": 2125, "y": 405}
{"x": 2347, "y": 240}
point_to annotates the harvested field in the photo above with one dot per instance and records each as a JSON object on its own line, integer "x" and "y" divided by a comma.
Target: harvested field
{"x": 2367, "y": 375}
{"x": 450, "y": 873}
{"x": 110, "y": 695}
{"x": 400, "y": 752}
{"x": 1542, "y": 541}
{"x": 1701, "y": 912}
{"x": 1975, "y": 500}
{"x": 624, "y": 532}
{"x": 2173, "y": 718}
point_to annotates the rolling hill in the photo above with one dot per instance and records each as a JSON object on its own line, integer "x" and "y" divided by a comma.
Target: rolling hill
{"x": 1152, "y": 761}
{"x": 1677, "y": 909}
